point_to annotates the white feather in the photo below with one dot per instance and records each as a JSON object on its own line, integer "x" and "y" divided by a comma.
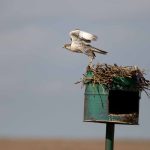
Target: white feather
{"x": 87, "y": 36}
{"x": 82, "y": 35}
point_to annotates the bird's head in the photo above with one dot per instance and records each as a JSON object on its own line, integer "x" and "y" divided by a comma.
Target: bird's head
{"x": 67, "y": 46}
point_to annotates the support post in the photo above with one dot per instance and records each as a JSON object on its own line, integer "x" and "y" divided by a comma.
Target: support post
{"x": 109, "y": 143}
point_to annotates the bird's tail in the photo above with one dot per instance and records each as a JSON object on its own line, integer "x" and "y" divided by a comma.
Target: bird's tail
{"x": 100, "y": 51}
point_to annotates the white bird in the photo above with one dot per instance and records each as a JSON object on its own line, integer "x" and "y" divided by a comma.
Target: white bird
{"x": 81, "y": 44}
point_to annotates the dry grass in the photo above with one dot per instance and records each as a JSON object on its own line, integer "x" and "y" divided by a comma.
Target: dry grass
{"x": 114, "y": 77}
{"x": 62, "y": 144}
{"x": 105, "y": 74}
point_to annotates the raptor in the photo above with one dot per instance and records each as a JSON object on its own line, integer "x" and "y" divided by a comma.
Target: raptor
{"x": 80, "y": 43}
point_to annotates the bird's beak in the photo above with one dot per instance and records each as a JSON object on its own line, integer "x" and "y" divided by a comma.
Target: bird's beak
{"x": 63, "y": 47}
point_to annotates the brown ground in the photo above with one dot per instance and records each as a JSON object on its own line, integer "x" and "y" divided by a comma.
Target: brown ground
{"x": 62, "y": 144}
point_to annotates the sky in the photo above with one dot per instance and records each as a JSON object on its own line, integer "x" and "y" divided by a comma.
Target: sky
{"x": 38, "y": 97}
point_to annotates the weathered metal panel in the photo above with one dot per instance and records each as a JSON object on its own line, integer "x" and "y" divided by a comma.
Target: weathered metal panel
{"x": 97, "y": 109}
{"x": 96, "y": 104}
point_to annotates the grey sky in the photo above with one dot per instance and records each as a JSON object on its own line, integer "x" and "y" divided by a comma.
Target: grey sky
{"x": 38, "y": 97}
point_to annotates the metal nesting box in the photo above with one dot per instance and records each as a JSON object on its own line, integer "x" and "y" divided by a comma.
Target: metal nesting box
{"x": 116, "y": 105}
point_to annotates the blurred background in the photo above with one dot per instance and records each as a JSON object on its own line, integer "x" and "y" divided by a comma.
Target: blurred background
{"x": 38, "y": 97}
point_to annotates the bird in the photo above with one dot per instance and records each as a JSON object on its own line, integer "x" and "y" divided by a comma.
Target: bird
{"x": 80, "y": 43}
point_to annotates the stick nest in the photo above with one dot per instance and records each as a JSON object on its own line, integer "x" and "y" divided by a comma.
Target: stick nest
{"x": 113, "y": 76}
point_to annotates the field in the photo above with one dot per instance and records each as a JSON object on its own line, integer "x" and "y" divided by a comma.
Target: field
{"x": 63, "y": 144}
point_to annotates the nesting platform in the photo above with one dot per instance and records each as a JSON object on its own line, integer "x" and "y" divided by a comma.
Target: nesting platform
{"x": 112, "y": 94}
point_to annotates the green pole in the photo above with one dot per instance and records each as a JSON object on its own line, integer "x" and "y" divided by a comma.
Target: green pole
{"x": 109, "y": 143}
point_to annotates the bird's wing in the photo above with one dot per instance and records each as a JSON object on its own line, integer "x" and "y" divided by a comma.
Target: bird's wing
{"x": 82, "y": 35}
{"x": 87, "y": 36}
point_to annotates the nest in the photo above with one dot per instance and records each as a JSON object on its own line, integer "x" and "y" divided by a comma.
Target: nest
{"x": 114, "y": 76}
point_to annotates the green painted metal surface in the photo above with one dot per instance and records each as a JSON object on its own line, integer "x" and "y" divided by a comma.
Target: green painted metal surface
{"x": 122, "y": 83}
{"x": 97, "y": 104}
{"x": 95, "y": 101}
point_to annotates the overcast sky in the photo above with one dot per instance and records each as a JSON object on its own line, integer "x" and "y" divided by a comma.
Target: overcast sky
{"x": 38, "y": 97}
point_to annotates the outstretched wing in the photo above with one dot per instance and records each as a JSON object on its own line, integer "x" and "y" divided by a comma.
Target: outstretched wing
{"x": 82, "y": 35}
{"x": 87, "y": 36}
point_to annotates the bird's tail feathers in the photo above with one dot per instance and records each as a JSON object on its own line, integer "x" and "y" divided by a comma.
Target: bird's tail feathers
{"x": 99, "y": 50}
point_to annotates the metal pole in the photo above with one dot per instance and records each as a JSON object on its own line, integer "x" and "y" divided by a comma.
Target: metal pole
{"x": 109, "y": 143}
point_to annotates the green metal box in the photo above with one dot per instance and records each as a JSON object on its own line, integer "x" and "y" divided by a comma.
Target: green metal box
{"x": 116, "y": 105}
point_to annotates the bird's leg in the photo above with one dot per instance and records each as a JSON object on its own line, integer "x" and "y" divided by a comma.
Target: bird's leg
{"x": 90, "y": 62}
{"x": 90, "y": 55}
